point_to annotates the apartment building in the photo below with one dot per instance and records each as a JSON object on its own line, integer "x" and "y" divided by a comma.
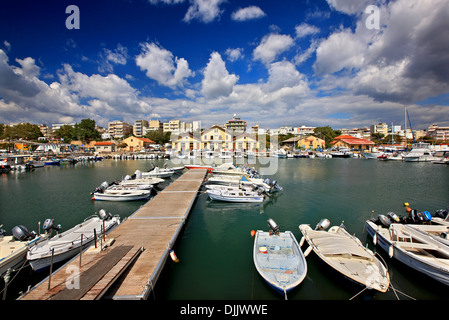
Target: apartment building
{"x": 119, "y": 129}
{"x": 438, "y": 133}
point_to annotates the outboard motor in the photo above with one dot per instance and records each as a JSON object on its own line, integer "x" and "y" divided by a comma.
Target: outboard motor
{"x": 417, "y": 217}
{"x": 273, "y": 226}
{"x": 104, "y": 215}
{"x": 21, "y": 233}
{"x": 322, "y": 225}
{"x": 138, "y": 174}
{"x": 441, "y": 213}
{"x": 427, "y": 216}
{"x": 393, "y": 217}
{"x": 49, "y": 225}
{"x": 127, "y": 177}
{"x": 384, "y": 220}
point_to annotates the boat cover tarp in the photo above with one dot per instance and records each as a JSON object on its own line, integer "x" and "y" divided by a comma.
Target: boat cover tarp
{"x": 333, "y": 244}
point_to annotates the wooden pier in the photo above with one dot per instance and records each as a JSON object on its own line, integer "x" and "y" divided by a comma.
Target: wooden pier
{"x": 129, "y": 268}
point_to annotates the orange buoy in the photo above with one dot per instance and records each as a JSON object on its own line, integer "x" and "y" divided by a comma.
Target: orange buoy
{"x": 173, "y": 256}
{"x": 253, "y": 233}
{"x": 93, "y": 198}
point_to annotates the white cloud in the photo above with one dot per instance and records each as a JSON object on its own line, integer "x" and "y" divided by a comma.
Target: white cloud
{"x": 110, "y": 57}
{"x": 248, "y": 13}
{"x": 342, "y": 50}
{"x": 350, "y": 6}
{"x": 271, "y": 47}
{"x": 159, "y": 65}
{"x": 234, "y": 54}
{"x": 217, "y": 81}
{"x": 203, "y": 10}
{"x": 305, "y": 29}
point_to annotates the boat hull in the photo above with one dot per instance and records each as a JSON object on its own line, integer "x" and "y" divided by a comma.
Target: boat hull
{"x": 426, "y": 268}
{"x": 66, "y": 246}
{"x": 132, "y": 196}
{"x": 282, "y": 265}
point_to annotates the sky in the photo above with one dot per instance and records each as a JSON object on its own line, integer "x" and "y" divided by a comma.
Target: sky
{"x": 342, "y": 63}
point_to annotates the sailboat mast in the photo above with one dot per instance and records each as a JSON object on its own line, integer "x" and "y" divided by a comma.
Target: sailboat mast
{"x": 405, "y": 124}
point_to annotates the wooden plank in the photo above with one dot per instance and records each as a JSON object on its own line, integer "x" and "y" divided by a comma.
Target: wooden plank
{"x": 98, "y": 290}
{"x": 92, "y": 275}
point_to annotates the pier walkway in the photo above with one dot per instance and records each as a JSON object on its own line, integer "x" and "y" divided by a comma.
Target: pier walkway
{"x": 129, "y": 268}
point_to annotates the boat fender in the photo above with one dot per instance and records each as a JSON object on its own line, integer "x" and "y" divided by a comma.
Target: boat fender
{"x": 301, "y": 242}
{"x": 253, "y": 233}
{"x": 375, "y": 238}
{"x": 391, "y": 251}
{"x": 173, "y": 256}
{"x": 306, "y": 253}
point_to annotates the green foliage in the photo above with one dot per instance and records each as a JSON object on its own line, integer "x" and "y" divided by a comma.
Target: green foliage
{"x": 158, "y": 136}
{"x": 84, "y": 131}
{"x": 20, "y": 131}
{"x": 327, "y": 134}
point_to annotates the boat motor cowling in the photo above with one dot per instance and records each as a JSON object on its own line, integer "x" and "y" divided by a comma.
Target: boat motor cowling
{"x": 49, "y": 225}
{"x": 384, "y": 220}
{"x": 21, "y": 233}
{"x": 273, "y": 226}
{"x": 323, "y": 224}
{"x": 104, "y": 215}
{"x": 393, "y": 217}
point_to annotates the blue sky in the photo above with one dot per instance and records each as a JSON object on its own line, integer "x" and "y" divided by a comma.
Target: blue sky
{"x": 273, "y": 63}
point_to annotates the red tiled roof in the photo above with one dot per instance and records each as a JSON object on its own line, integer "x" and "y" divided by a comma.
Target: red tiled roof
{"x": 104, "y": 143}
{"x": 351, "y": 140}
{"x": 146, "y": 140}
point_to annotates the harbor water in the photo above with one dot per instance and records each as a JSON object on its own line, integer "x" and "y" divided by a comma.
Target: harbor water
{"x": 215, "y": 246}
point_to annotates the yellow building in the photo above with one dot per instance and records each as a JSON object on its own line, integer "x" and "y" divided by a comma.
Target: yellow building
{"x": 246, "y": 141}
{"x": 186, "y": 142}
{"x": 216, "y": 138}
{"x": 311, "y": 143}
{"x": 136, "y": 144}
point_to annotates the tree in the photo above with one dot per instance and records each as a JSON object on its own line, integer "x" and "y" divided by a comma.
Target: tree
{"x": 85, "y": 130}
{"x": 21, "y": 131}
{"x": 158, "y": 136}
{"x": 66, "y": 132}
{"x": 327, "y": 134}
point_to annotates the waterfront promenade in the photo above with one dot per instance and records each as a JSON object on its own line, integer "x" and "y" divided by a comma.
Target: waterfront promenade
{"x": 129, "y": 268}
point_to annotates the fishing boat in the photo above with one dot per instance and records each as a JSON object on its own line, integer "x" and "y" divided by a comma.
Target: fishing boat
{"x": 238, "y": 195}
{"x": 281, "y": 153}
{"x": 342, "y": 153}
{"x": 13, "y": 249}
{"x": 279, "y": 259}
{"x": 67, "y": 244}
{"x": 411, "y": 247}
{"x": 346, "y": 254}
{"x": 125, "y": 194}
{"x": 4, "y": 166}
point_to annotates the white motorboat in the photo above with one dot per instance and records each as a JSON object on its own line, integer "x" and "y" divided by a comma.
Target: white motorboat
{"x": 235, "y": 195}
{"x": 244, "y": 180}
{"x": 413, "y": 248}
{"x": 346, "y": 254}
{"x": 372, "y": 155}
{"x": 278, "y": 258}
{"x": 246, "y": 188}
{"x": 228, "y": 169}
{"x": 68, "y": 244}
{"x": 13, "y": 249}
{"x": 158, "y": 173}
{"x": 342, "y": 153}
{"x": 281, "y": 153}
{"x": 420, "y": 153}
{"x": 125, "y": 194}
